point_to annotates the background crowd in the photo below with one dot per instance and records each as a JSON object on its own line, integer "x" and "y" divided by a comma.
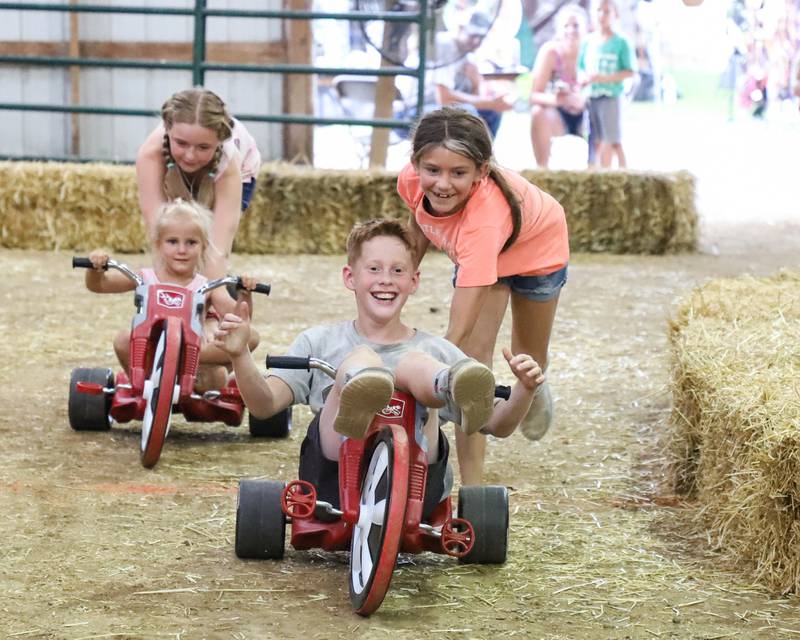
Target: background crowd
{"x": 539, "y": 57}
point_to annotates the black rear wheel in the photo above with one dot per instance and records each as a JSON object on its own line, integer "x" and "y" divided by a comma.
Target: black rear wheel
{"x": 486, "y": 507}
{"x": 89, "y": 412}
{"x": 260, "y": 522}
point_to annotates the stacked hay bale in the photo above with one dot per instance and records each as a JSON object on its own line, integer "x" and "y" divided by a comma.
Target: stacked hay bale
{"x": 49, "y": 205}
{"x": 303, "y": 210}
{"x": 736, "y": 440}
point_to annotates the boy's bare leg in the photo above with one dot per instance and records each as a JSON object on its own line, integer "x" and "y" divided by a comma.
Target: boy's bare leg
{"x": 468, "y": 385}
{"x": 360, "y": 402}
{"x": 621, "y": 161}
{"x": 606, "y": 154}
{"x": 210, "y": 376}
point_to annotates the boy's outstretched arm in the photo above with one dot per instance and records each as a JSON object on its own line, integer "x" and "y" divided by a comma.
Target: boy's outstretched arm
{"x": 508, "y": 414}
{"x": 263, "y": 397}
{"x": 98, "y": 280}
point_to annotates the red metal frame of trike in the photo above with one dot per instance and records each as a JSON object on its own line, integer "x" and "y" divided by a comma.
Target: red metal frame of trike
{"x": 400, "y": 417}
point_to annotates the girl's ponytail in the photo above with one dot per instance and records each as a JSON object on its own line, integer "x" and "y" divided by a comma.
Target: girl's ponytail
{"x": 513, "y": 202}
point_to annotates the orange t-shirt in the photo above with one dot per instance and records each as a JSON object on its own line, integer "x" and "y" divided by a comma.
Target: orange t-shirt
{"x": 474, "y": 237}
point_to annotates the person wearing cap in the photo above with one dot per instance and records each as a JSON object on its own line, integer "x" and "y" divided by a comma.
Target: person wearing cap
{"x": 452, "y": 77}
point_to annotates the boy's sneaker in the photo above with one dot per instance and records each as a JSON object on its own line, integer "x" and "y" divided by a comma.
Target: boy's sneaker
{"x": 363, "y": 395}
{"x": 471, "y": 389}
{"x": 540, "y": 415}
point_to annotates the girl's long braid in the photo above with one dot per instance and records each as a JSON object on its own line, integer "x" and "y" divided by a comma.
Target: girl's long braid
{"x": 174, "y": 183}
{"x": 205, "y": 190}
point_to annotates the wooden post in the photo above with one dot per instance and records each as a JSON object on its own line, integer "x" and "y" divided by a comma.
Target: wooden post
{"x": 298, "y": 145}
{"x": 74, "y": 82}
{"x": 384, "y": 94}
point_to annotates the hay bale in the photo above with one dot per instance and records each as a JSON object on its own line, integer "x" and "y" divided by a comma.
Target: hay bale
{"x": 69, "y": 206}
{"x": 304, "y": 210}
{"x": 735, "y": 443}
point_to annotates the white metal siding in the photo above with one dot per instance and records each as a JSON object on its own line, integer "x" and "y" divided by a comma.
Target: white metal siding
{"x": 118, "y": 137}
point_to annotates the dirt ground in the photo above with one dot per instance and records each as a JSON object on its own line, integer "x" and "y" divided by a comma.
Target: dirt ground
{"x": 95, "y": 546}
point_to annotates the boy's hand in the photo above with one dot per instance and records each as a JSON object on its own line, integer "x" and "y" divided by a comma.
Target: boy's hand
{"x": 99, "y": 259}
{"x": 233, "y": 332}
{"x": 525, "y": 368}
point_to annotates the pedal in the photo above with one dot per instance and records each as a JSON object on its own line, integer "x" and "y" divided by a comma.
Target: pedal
{"x": 299, "y": 499}
{"x": 457, "y": 537}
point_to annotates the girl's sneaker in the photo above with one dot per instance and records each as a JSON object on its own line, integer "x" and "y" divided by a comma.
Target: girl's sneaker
{"x": 363, "y": 395}
{"x": 540, "y": 415}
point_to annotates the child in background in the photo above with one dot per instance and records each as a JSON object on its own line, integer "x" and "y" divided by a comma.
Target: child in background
{"x": 508, "y": 240}
{"x": 373, "y": 354}
{"x": 605, "y": 61}
{"x": 199, "y": 152}
{"x": 180, "y": 244}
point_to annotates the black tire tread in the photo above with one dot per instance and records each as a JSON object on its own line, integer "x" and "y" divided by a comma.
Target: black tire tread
{"x": 260, "y": 521}
{"x": 486, "y": 507}
{"x": 89, "y": 412}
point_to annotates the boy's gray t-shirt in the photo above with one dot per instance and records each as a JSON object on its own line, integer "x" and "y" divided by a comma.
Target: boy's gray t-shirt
{"x": 332, "y": 342}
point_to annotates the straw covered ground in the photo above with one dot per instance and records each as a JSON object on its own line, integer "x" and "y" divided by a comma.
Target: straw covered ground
{"x": 95, "y": 546}
{"x": 736, "y": 446}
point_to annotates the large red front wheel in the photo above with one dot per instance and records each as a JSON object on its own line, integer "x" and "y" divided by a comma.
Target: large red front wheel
{"x": 376, "y": 536}
{"x": 159, "y": 390}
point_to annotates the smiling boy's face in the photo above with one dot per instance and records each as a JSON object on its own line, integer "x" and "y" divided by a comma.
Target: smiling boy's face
{"x": 382, "y": 277}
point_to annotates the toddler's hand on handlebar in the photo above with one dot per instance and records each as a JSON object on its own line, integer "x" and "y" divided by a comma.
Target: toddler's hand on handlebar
{"x": 249, "y": 283}
{"x": 233, "y": 332}
{"x": 525, "y": 368}
{"x": 99, "y": 259}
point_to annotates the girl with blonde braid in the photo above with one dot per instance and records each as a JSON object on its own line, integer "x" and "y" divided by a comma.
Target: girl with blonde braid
{"x": 199, "y": 153}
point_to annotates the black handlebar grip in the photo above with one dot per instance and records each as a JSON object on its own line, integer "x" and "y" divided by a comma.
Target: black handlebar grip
{"x": 84, "y": 263}
{"x": 260, "y": 287}
{"x": 288, "y": 362}
{"x": 502, "y": 391}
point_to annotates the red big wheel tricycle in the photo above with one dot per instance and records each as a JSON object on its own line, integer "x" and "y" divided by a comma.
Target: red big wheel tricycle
{"x": 164, "y": 352}
{"x": 381, "y": 492}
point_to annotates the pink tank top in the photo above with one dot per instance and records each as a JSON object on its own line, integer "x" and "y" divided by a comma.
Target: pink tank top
{"x": 149, "y": 276}
{"x": 244, "y": 144}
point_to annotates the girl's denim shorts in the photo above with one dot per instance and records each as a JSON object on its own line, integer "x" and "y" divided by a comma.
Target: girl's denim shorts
{"x": 247, "y": 193}
{"x": 536, "y": 288}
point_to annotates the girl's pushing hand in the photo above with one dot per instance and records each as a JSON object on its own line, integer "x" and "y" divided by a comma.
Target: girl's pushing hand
{"x": 525, "y": 368}
{"x": 99, "y": 259}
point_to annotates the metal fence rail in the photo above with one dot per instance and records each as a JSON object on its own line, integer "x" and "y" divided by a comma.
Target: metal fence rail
{"x": 198, "y": 66}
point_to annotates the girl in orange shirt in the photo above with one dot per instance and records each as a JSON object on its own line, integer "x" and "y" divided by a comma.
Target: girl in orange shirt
{"x": 508, "y": 240}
